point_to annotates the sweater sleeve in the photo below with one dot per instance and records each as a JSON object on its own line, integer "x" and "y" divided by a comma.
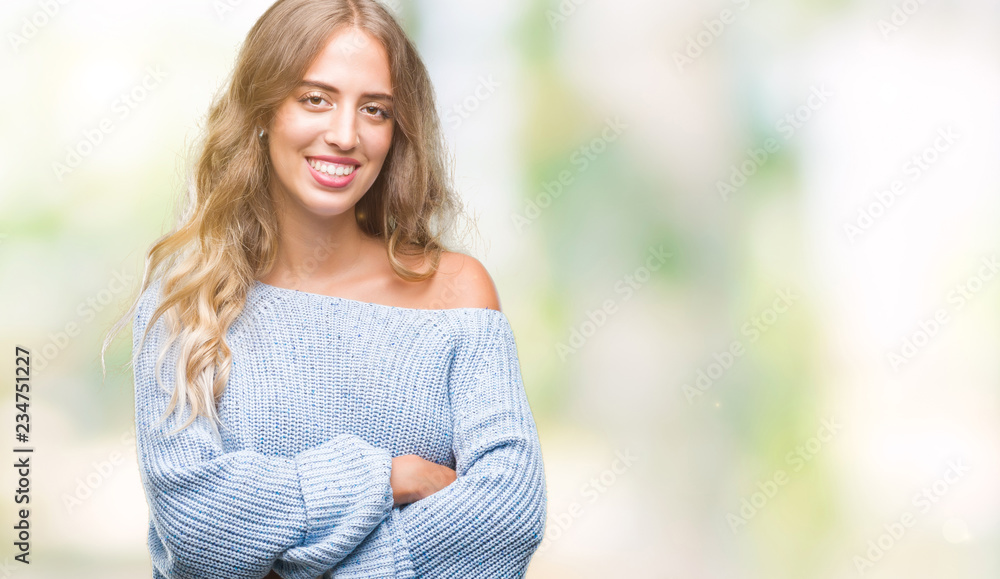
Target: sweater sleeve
{"x": 232, "y": 515}
{"x": 489, "y": 522}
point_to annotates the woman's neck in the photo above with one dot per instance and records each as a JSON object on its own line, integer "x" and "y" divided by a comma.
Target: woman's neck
{"x": 314, "y": 253}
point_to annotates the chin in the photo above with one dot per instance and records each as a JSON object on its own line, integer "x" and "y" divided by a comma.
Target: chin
{"x": 328, "y": 210}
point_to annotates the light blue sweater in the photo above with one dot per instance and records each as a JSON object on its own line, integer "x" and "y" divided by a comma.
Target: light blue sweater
{"x": 322, "y": 393}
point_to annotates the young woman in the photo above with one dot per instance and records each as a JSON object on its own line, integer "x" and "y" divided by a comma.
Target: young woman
{"x": 321, "y": 388}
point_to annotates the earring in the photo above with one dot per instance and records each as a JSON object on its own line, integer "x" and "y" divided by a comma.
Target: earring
{"x": 261, "y": 134}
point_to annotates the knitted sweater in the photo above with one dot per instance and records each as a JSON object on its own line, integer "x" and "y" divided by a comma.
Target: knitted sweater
{"x": 323, "y": 391}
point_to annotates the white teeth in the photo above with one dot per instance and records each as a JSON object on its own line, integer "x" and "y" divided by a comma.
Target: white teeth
{"x": 331, "y": 168}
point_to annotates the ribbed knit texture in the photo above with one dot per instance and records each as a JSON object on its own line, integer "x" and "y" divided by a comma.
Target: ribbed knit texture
{"x": 322, "y": 393}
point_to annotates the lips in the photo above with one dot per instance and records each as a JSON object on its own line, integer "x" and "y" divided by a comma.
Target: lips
{"x": 334, "y": 172}
{"x": 333, "y": 168}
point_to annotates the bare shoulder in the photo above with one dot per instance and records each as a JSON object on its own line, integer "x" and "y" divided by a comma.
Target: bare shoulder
{"x": 463, "y": 282}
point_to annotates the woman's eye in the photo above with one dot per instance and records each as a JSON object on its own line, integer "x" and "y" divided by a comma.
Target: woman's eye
{"x": 313, "y": 99}
{"x": 378, "y": 111}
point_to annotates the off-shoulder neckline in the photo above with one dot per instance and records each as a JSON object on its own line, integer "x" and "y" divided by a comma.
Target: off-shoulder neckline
{"x": 282, "y": 292}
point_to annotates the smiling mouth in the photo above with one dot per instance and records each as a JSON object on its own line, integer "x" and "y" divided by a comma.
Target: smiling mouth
{"x": 332, "y": 169}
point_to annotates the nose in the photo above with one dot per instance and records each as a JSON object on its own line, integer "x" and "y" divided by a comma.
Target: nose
{"x": 342, "y": 132}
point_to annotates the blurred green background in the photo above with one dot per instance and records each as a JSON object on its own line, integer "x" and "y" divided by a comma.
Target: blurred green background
{"x": 748, "y": 249}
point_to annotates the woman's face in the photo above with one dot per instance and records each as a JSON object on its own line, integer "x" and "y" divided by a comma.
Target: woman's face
{"x": 331, "y": 135}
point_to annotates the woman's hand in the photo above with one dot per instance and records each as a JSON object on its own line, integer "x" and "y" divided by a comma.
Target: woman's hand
{"x": 413, "y": 478}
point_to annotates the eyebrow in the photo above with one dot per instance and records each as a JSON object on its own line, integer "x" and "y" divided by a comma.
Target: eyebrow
{"x": 333, "y": 89}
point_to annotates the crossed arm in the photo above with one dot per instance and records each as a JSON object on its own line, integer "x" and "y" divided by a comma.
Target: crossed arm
{"x": 334, "y": 510}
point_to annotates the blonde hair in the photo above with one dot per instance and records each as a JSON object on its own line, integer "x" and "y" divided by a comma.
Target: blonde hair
{"x": 227, "y": 236}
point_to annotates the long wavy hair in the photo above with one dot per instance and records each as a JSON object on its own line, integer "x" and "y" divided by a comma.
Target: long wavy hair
{"x": 227, "y": 236}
